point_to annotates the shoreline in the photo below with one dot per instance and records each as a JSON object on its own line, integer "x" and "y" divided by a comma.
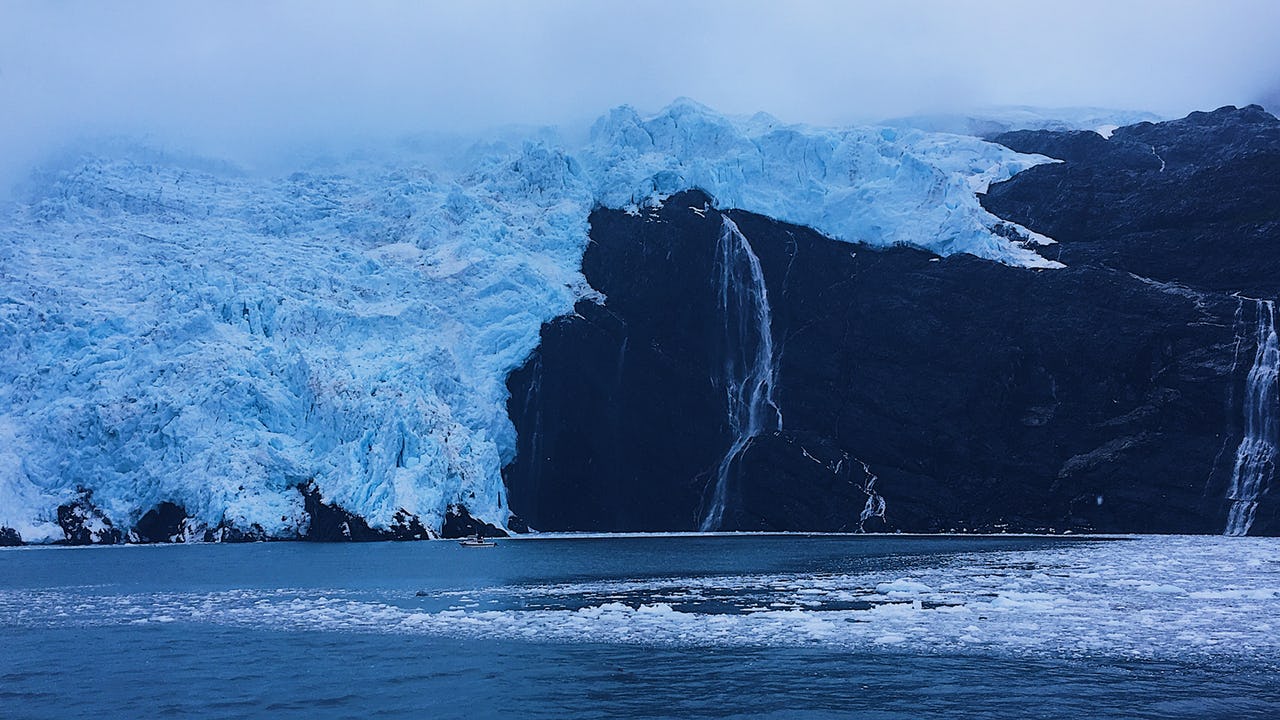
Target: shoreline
{"x": 798, "y": 535}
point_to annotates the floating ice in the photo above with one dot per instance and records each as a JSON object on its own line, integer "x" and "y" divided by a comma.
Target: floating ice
{"x": 1119, "y": 599}
{"x": 903, "y": 586}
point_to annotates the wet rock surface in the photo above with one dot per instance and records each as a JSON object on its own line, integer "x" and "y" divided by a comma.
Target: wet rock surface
{"x": 458, "y": 523}
{"x": 1194, "y": 201}
{"x": 83, "y": 523}
{"x": 164, "y": 523}
{"x": 1104, "y": 397}
{"x": 332, "y": 523}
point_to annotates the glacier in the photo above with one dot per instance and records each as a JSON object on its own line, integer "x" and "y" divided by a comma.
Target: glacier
{"x": 991, "y": 121}
{"x": 174, "y": 329}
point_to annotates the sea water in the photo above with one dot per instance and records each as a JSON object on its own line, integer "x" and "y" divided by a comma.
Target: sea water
{"x": 649, "y": 626}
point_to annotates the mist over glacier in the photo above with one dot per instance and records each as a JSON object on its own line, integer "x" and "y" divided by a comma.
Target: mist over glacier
{"x": 243, "y": 79}
{"x": 175, "y": 330}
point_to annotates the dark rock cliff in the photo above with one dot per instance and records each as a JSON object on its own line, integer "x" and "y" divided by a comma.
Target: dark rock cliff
{"x": 1194, "y": 201}
{"x": 920, "y": 393}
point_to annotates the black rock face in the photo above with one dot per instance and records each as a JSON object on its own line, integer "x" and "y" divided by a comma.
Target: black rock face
{"x": 9, "y": 537}
{"x": 617, "y": 417}
{"x": 331, "y": 523}
{"x": 1194, "y": 201}
{"x": 163, "y": 523}
{"x": 458, "y": 523}
{"x": 920, "y": 393}
{"x": 83, "y": 523}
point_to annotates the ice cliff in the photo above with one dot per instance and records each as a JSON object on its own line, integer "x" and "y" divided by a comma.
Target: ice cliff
{"x": 175, "y": 331}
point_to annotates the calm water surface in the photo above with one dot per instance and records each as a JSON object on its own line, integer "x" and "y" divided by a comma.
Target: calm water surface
{"x": 643, "y": 627}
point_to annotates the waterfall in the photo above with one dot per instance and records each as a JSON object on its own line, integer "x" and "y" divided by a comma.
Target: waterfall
{"x": 875, "y": 505}
{"x": 748, "y": 378}
{"x": 1256, "y": 457}
{"x": 533, "y": 404}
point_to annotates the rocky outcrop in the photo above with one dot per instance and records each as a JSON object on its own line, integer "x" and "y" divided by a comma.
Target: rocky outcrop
{"x": 921, "y": 393}
{"x": 166, "y": 522}
{"x": 331, "y": 523}
{"x": 1191, "y": 206}
{"x": 458, "y": 523}
{"x": 83, "y": 523}
{"x": 1194, "y": 201}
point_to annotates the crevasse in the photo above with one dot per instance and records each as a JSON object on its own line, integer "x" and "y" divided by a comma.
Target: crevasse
{"x": 173, "y": 330}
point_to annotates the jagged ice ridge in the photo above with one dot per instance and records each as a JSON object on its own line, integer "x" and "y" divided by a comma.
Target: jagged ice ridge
{"x": 177, "y": 331}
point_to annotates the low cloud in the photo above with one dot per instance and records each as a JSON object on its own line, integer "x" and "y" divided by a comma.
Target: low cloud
{"x": 245, "y": 79}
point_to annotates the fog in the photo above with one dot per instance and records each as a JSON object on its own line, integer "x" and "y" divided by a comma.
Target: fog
{"x": 250, "y": 80}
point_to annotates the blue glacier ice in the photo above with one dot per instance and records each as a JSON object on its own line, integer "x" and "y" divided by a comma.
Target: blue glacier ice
{"x": 878, "y": 185}
{"x": 174, "y": 330}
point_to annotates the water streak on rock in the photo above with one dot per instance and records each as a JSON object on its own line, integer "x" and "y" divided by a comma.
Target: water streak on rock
{"x": 1255, "y": 463}
{"x": 749, "y": 373}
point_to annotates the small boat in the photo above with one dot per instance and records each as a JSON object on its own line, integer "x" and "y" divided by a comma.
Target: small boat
{"x": 477, "y": 541}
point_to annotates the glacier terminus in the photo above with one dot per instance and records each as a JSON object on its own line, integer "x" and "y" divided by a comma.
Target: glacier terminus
{"x": 177, "y": 331}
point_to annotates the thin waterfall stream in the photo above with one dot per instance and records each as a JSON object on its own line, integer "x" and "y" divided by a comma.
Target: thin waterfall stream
{"x": 749, "y": 369}
{"x": 1255, "y": 463}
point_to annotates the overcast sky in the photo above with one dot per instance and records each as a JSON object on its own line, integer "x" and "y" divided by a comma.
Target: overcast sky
{"x": 237, "y": 77}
